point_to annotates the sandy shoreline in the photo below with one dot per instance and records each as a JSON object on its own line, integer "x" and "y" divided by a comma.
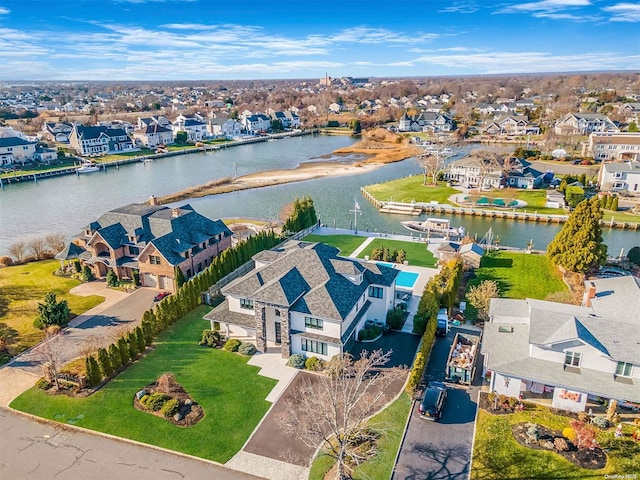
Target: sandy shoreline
{"x": 378, "y": 148}
{"x": 305, "y": 171}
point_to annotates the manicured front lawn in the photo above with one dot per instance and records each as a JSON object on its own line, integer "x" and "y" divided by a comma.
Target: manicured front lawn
{"x": 520, "y": 275}
{"x": 230, "y": 392}
{"x": 391, "y": 421}
{"x": 417, "y": 253}
{"x": 411, "y": 188}
{"x": 22, "y": 287}
{"x": 497, "y": 455}
{"x": 346, "y": 243}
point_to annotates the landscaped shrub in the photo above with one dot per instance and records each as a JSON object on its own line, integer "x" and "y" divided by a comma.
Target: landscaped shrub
{"x": 232, "y": 344}
{"x": 42, "y": 384}
{"x": 155, "y": 401}
{"x": 313, "y": 363}
{"x": 247, "y": 348}
{"x": 93, "y": 371}
{"x": 210, "y": 338}
{"x": 112, "y": 279}
{"x": 170, "y": 408}
{"x": 369, "y": 333}
{"x": 87, "y": 274}
{"x": 297, "y": 360}
{"x": 600, "y": 422}
{"x": 569, "y": 433}
{"x": 560, "y": 444}
{"x": 395, "y": 317}
{"x": 533, "y": 433}
{"x": 6, "y": 261}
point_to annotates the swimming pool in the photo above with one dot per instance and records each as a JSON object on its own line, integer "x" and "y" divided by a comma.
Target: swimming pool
{"x": 385, "y": 264}
{"x": 406, "y": 279}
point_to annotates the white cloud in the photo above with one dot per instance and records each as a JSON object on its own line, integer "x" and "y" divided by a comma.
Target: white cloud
{"x": 4, "y": 11}
{"x": 624, "y": 12}
{"x": 460, "y": 7}
{"x": 545, "y": 6}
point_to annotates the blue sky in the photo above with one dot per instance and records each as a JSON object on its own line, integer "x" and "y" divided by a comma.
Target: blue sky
{"x": 236, "y": 39}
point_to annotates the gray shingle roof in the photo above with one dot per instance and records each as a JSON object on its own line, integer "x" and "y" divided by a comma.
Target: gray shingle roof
{"x": 313, "y": 277}
{"x": 14, "y": 142}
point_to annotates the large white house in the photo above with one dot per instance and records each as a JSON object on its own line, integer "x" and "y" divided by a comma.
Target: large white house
{"x": 98, "y": 140}
{"x": 16, "y": 149}
{"x": 619, "y": 177}
{"x": 584, "y": 124}
{"x": 613, "y": 146}
{"x": 567, "y": 352}
{"x": 306, "y": 298}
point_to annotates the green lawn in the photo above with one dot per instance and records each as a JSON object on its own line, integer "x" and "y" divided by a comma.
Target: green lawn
{"x": 497, "y": 455}
{"x": 417, "y": 253}
{"x": 520, "y": 275}
{"x": 391, "y": 421}
{"x": 22, "y": 287}
{"x": 230, "y": 392}
{"x": 346, "y": 243}
{"x": 30, "y": 168}
{"x": 411, "y": 188}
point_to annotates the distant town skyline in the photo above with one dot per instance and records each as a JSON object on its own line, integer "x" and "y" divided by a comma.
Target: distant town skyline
{"x": 176, "y": 40}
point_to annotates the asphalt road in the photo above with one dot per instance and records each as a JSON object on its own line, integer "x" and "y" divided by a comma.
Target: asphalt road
{"x": 441, "y": 450}
{"x": 32, "y": 450}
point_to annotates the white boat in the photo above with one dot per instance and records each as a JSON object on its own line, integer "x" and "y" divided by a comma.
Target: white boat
{"x": 87, "y": 167}
{"x": 147, "y": 160}
{"x": 438, "y": 227}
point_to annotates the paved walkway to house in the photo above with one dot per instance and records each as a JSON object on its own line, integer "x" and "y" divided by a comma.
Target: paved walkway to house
{"x": 362, "y": 246}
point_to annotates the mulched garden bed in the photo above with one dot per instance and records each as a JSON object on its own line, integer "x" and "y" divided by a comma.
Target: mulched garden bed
{"x": 593, "y": 459}
{"x": 190, "y": 412}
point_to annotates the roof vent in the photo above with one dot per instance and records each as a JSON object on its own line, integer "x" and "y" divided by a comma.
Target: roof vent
{"x": 505, "y": 329}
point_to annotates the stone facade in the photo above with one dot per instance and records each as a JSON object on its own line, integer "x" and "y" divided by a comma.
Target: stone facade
{"x": 261, "y": 326}
{"x": 285, "y": 326}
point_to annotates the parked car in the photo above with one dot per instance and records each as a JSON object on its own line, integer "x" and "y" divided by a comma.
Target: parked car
{"x": 160, "y": 296}
{"x": 433, "y": 401}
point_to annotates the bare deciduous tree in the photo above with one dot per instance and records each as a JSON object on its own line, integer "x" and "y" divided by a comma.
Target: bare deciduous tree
{"x": 333, "y": 410}
{"x": 51, "y": 357}
{"x": 38, "y": 247}
{"x": 18, "y": 250}
{"x": 89, "y": 347}
{"x": 55, "y": 242}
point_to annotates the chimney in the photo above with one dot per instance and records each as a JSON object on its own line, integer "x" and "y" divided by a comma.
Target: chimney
{"x": 153, "y": 200}
{"x": 175, "y": 212}
{"x": 590, "y": 294}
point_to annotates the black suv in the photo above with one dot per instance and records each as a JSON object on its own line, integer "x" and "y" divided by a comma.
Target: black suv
{"x": 433, "y": 400}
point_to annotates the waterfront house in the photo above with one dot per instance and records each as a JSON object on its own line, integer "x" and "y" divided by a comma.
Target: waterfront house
{"x": 156, "y": 119}
{"x": 512, "y": 125}
{"x": 612, "y": 146}
{"x": 476, "y": 172}
{"x": 567, "y": 353}
{"x": 288, "y": 119}
{"x": 16, "y": 150}
{"x": 223, "y": 127}
{"x": 99, "y": 140}
{"x": 619, "y": 177}
{"x": 153, "y": 135}
{"x": 58, "y": 132}
{"x": 470, "y": 253}
{"x": 425, "y": 122}
{"x": 306, "y": 299}
{"x": 520, "y": 174}
{"x": 254, "y": 123}
{"x": 584, "y": 124}
{"x": 196, "y": 130}
{"x": 152, "y": 239}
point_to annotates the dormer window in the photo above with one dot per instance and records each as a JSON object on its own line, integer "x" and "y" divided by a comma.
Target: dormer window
{"x": 186, "y": 253}
{"x": 624, "y": 369}
{"x": 572, "y": 359}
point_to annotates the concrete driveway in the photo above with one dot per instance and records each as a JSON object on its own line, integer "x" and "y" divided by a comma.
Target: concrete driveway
{"x": 98, "y": 325}
{"x": 441, "y": 450}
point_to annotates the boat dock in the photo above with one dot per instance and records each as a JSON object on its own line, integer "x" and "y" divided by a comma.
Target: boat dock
{"x": 419, "y": 208}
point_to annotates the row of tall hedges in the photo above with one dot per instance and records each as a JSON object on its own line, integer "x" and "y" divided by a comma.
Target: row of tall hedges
{"x": 441, "y": 290}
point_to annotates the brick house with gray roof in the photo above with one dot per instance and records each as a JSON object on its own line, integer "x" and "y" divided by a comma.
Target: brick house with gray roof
{"x": 307, "y": 299}
{"x": 567, "y": 353}
{"x": 152, "y": 239}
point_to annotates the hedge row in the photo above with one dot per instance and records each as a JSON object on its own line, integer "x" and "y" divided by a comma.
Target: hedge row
{"x": 440, "y": 290}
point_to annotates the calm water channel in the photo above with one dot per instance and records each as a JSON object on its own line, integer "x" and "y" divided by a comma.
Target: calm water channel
{"x": 66, "y": 204}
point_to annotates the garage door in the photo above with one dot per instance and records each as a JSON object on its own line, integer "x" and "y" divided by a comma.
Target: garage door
{"x": 150, "y": 280}
{"x": 165, "y": 283}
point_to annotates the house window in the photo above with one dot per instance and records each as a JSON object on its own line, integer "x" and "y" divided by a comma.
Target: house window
{"x": 618, "y": 185}
{"x": 154, "y": 259}
{"x": 186, "y": 254}
{"x": 617, "y": 175}
{"x": 316, "y": 323}
{"x": 246, "y": 304}
{"x": 572, "y": 359}
{"x": 624, "y": 369}
{"x": 314, "y": 346}
{"x": 277, "y": 312}
{"x": 375, "y": 292}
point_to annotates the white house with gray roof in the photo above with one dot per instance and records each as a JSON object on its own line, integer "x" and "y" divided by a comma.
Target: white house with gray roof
{"x": 619, "y": 177}
{"x": 568, "y": 352}
{"x": 306, "y": 298}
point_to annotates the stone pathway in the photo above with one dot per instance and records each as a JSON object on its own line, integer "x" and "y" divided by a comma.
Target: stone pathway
{"x": 362, "y": 246}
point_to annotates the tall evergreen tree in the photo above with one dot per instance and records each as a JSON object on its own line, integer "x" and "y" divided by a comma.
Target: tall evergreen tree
{"x": 578, "y": 246}
{"x": 140, "y": 340}
{"x": 114, "y": 356}
{"x": 105, "y": 362}
{"x": 93, "y": 371}
{"x": 123, "y": 348}
{"x": 179, "y": 277}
